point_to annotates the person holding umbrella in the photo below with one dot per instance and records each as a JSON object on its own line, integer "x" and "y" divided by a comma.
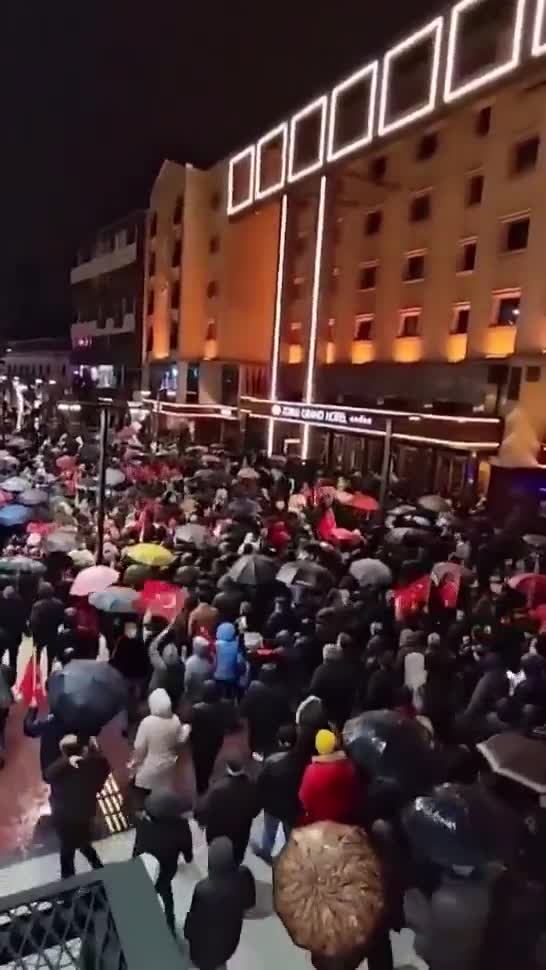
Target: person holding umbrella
{"x": 76, "y": 778}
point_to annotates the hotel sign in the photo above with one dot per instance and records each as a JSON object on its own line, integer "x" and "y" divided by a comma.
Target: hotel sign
{"x": 328, "y": 417}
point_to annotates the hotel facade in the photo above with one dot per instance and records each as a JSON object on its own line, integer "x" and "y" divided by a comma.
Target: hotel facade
{"x": 372, "y": 269}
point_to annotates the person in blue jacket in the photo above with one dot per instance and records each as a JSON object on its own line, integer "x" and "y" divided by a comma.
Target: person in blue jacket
{"x": 230, "y": 662}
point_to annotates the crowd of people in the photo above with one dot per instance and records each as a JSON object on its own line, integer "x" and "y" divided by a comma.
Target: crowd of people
{"x": 294, "y": 613}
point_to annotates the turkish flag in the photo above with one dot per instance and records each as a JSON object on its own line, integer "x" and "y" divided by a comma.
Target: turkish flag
{"x": 448, "y": 590}
{"x": 162, "y": 599}
{"x": 31, "y": 687}
{"x": 326, "y": 526}
{"x": 409, "y": 598}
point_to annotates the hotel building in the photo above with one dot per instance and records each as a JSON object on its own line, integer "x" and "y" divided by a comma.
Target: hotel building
{"x": 372, "y": 267}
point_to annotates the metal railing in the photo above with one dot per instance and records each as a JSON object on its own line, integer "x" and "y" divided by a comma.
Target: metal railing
{"x": 105, "y": 920}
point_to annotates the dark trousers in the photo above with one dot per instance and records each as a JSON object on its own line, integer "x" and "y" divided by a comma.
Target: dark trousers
{"x": 4, "y": 714}
{"x": 75, "y": 837}
{"x": 50, "y": 644}
{"x": 164, "y": 890}
{"x": 203, "y": 766}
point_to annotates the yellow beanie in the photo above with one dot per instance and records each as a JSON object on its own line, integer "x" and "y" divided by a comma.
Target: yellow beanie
{"x": 325, "y": 742}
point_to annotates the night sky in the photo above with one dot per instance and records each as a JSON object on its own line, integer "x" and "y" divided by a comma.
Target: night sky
{"x": 96, "y": 94}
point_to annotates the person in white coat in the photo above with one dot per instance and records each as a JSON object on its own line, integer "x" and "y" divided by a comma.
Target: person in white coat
{"x": 158, "y": 743}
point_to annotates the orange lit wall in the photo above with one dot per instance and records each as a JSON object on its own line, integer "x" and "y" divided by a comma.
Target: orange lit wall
{"x": 407, "y": 350}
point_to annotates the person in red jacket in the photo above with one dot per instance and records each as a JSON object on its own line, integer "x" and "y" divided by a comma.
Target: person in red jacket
{"x": 330, "y": 789}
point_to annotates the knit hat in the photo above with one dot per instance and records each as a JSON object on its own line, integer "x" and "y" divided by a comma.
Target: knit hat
{"x": 325, "y": 742}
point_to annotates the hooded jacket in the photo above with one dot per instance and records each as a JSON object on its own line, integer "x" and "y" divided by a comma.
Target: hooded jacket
{"x": 168, "y": 668}
{"x": 266, "y": 707}
{"x": 219, "y": 901}
{"x": 330, "y": 790}
{"x": 199, "y": 669}
{"x": 158, "y": 743}
{"x": 229, "y": 661}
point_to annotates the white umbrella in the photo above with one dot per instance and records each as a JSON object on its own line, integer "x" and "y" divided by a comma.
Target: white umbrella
{"x": 535, "y": 540}
{"x": 403, "y": 510}
{"x": 248, "y": 472}
{"x": 82, "y": 558}
{"x": 114, "y": 476}
{"x": 371, "y": 572}
{"x": 434, "y": 503}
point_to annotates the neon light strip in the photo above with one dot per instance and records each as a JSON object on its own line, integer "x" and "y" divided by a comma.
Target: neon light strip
{"x": 319, "y": 105}
{"x": 278, "y": 318}
{"x": 434, "y": 30}
{"x": 281, "y": 130}
{"x": 539, "y": 45}
{"x": 315, "y": 302}
{"x": 452, "y": 93}
{"x": 371, "y": 71}
{"x": 249, "y": 152}
{"x": 391, "y": 414}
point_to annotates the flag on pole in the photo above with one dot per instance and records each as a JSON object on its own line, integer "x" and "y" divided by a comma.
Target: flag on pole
{"x": 409, "y": 598}
{"x": 31, "y": 687}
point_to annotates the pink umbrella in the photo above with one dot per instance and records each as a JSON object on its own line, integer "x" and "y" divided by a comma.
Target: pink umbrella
{"x": 94, "y": 579}
{"x": 344, "y": 535}
{"x": 539, "y": 613}
{"x": 41, "y": 528}
{"x": 66, "y": 462}
{"x": 363, "y": 503}
{"x": 532, "y": 585}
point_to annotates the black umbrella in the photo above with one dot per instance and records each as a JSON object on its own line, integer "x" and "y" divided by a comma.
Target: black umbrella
{"x": 165, "y": 804}
{"x": 136, "y": 576}
{"x": 254, "y": 570}
{"x": 86, "y": 695}
{"x": 461, "y": 825}
{"x": 186, "y": 576}
{"x": 305, "y": 572}
{"x": 384, "y": 744}
{"x": 243, "y": 508}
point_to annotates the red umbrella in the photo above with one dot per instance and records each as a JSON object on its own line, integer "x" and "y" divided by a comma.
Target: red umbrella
{"x": 408, "y": 598}
{"x": 66, "y": 462}
{"x": 363, "y": 503}
{"x": 162, "y": 599}
{"x": 42, "y": 528}
{"x": 345, "y": 535}
{"x": 532, "y": 585}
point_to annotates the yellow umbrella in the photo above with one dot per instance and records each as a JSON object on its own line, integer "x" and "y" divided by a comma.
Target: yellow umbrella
{"x": 150, "y": 554}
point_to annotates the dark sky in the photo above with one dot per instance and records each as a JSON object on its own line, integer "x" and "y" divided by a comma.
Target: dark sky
{"x": 95, "y": 93}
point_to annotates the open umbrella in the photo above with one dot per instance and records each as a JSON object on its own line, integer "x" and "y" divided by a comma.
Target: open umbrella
{"x": 14, "y": 515}
{"x": 247, "y": 472}
{"x": 408, "y": 536}
{"x": 443, "y": 569}
{"x": 8, "y": 461}
{"x": 254, "y": 570}
{"x": 62, "y": 540}
{"x": 243, "y": 508}
{"x": 114, "y": 477}
{"x": 82, "y": 558}
{"x": 22, "y": 564}
{"x": 340, "y": 535}
{"x": 136, "y": 576}
{"x": 328, "y": 891}
{"x": 15, "y": 484}
{"x": 531, "y": 585}
{"x": 193, "y": 534}
{"x": 86, "y": 695}
{"x": 94, "y": 580}
{"x": 371, "y": 572}
{"x": 33, "y": 496}
{"x": 403, "y": 510}
{"x": 41, "y": 528}
{"x": 362, "y": 503}
{"x": 434, "y": 503}
{"x": 521, "y": 759}
{"x": 115, "y": 599}
{"x": 384, "y": 744}
{"x": 66, "y": 462}
{"x": 186, "y": 576}
{"x": 460, "y": 825}
{"x": 305, "y": 572}
{"x": 163, "y": 804}
{"x": 161, "y": 599}
{"x": 150, "y": 554}
{"x": 535, "y": 541}
{"x": 18, "y": 442}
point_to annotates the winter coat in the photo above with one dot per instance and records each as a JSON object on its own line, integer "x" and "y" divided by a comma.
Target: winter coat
{"x": 74, "y": 790}
{"x": 165, "y": 839}
{"x": 199, "y": 669}
{"x": 215, "y": 918}
{"x": 7, "y": 680}
{"x": 49, "y": 730}
{"x": 203, "y": 619}
{"x": 336, "y": 685}
{"x": 279, "y": 783}
{"x": 168, "y": 668}
{"x": 158, "y": 743}
{"x": 229, "y": 808}
{"x": 331, "y": 790}
{"x": 207, "y": 728}
{"x": 266, "y": 708}
{"x": 45, "y": 619}
{"x": 229, "y": 660}
{"x": 130, "y": 658}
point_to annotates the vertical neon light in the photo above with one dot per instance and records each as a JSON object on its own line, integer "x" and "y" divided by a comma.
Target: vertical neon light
{"x": 278, "y": 319}
{"x": 315, "y": 302}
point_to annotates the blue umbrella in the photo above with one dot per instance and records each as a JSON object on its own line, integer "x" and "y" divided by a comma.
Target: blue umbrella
{"x": 116, "y": 599}
{"x": 15, "y": 484}
{"x": 12, "y": 515}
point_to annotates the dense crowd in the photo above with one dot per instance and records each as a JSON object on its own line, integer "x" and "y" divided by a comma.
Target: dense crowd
{"x": 297, "y": 614}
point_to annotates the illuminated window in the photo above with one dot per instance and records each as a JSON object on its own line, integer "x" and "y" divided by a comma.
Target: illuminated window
{"x": 515, "y": 234}
{"x": 514, "y": 384}
{"x": 466, "y": 256}
{"x": 373, "y": 222}
{"x": 415, "y": 267}
{"x": 377, "y": 168}
{"x": 410, "y": 78}
{"x": 420, "y": 207}
{"x": 212, "y": 289}
{"x": 177, "y": 215}
{"x": 461, "y": 318}
{"x": 240, "y": 181}
{"x": 271, "y": 161}
{"x": 410, "y": 323}
{"x": 307, "y": 140}
{"x": 367, "y": 279}
{"x": 364, "y": 324}
{"x": 482, "y": 121}
{"x": 294, "y": 332}
{"x": 352, "y": 112}
{"x": 474, "y": 190}
{"x": 524, "y": 155}
{"x": 506, "y": 309}
{"x": 427, "y": 146}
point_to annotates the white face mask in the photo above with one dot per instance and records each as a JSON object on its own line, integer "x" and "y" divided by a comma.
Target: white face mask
{"x": 131, "y": 631}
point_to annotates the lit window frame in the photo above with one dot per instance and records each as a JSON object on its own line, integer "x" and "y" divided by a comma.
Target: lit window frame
{"x": 370, "y": 71}
{"x": 412, "y": 311}
{"x": 457, "y": 307}
{"x": 461, "y": 245}
{"x": 359, "y": 319}
{"x": 509, "y": 293}
{"x": 453, "y": 94}
{"x": 318, "y": 105}
{"x": 282, "y": 131}
{"x": 505, "y": 223}
{"x": 248, "y": 152}
{"x": 434, "y": 30}
{"x": 368, "y": 264}
{"x": 538, "y": 47}
{"x": 415, "y": 254}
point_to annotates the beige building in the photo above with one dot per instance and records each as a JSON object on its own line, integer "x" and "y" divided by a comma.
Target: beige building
{"x": 381, "y": 249}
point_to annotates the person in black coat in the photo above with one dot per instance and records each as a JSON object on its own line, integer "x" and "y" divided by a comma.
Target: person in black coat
{"x": 266, "y": 708}
{"x": 229, "y": 808}
{"x": 49, "y": 730}
{"x": 215, "y": 918}
{"x": 162, "y": 832}
{"x": 207, "y": 721}
{"x": 45, "y": 619}
{"x": 335, "y": 683}
{"x": 13, "y": 619}
{"x": 278, "y": 785}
